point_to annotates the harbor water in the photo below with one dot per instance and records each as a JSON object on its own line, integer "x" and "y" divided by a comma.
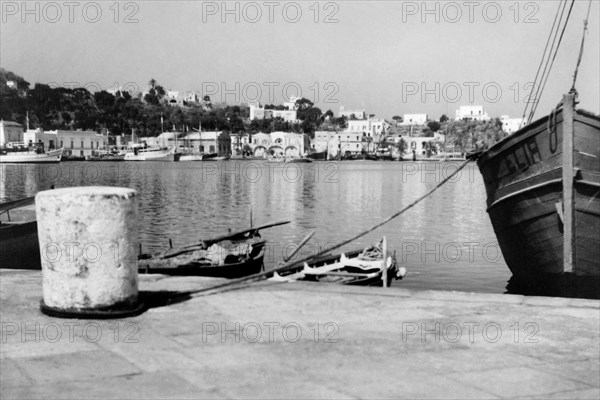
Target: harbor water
{"x": 444, "y": 242}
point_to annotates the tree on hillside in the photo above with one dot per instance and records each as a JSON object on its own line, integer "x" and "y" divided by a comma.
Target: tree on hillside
{"x": 434, "y": 126}
{"x": 155, "y": 94}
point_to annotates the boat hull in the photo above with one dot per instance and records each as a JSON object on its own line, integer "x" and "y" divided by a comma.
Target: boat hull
{"x": 190, "y": 157}
{"x": 251, "y": 264}
{"x": 19, "y": 246}
{"x": 523, "y": 180}
{"x": 31, "y": 158}
{"x": 320, "y": 156}
{"x": 153, "y": 155}
{"x": 229, "y": 271}
{"x": 298, "y": 160}
{"x": 360, "y": 278}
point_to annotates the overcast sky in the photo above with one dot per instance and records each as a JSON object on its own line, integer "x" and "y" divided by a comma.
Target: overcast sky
{"x": 373, "y": 55}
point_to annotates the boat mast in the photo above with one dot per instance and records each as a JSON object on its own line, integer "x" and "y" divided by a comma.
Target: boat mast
{"x": 567, "y": 181}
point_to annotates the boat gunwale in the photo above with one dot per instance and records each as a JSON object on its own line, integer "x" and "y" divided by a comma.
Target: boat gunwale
{"x": 530, "y": 130}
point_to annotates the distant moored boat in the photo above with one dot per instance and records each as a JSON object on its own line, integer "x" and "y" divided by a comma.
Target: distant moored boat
{"x": 19, "y": 154}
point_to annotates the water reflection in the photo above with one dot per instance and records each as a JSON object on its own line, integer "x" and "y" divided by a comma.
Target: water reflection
{"x": 446, "y": 242}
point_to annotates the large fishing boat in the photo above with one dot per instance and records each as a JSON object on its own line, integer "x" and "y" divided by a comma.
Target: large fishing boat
{"x": 20, "y": 153}
{"x": 543, "y": 186}
{"x": 539, "y": 179}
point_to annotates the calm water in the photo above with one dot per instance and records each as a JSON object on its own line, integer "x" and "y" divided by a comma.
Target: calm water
{"x": 445, "y": 242}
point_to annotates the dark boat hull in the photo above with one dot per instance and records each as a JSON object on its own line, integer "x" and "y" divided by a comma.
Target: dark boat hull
{"x": 320, "y": 156}
{"x": 230, "y": 271}
{"x": 19, "y": 246}
{"x": 233, "y": 266}
{"x": 523, "y": 180}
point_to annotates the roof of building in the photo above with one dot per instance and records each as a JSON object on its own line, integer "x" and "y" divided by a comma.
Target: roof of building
{"x": 10, "y": 123}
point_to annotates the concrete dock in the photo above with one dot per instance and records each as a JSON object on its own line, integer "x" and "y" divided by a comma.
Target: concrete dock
{"x": 301, "y": 340}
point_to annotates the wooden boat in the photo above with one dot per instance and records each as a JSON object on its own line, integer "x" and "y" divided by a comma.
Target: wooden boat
{"x": 19, "y": 246}
{"x": 358, "y": 157}
{"x": 106, "y": 157}
{"x": 543, "y": 185}
{"x": 298, "y": 160}
{"x": 365, "y": 267}
{"x": 152, "y": 154}
{"x": 191, "y": 157}
{"x": 230, "y": 256}
{"x": 318, "y": 156}
{"x": 20, "y": 154}
{"x": 272, "y": 159}
{"x": 218, "y": 158}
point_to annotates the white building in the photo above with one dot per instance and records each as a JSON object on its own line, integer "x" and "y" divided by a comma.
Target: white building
{"x": 350, "y": 114}
{"x": 286, "y": 115}
{"x": 291, "y": 103}
{"x": 257, "y": 112}
{"x": 510, "y": 125}
{"x": 287, "y": 144}
{"x": 418, "y": 146}
{"x": 472, "y": 113}
{"x": 10, "y": 131}
{"x": 371, "y": 127}
{"x": 75, "y": 143}
{"x": 326, "y": 140}
{"x": 351, "y": 142}
{"x": 206, "y": 142}
{"x": 177, "y": 98}
{"x": 414, "y": 119}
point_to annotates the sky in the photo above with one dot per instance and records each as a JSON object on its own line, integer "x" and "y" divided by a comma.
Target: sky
{"x": 386, "y": 57}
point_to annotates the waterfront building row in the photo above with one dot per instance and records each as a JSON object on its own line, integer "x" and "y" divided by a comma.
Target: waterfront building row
{"x": 75, "y": 143}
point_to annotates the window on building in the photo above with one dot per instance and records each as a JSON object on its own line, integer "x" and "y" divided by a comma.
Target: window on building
{"x": 61, "y": 144}
{"x": 72, "y": 144}
{"x": 51, "y": 145}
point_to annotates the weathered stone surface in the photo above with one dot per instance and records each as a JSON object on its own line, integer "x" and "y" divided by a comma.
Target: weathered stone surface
{"x": 88, "y": 243}
{"x": 304, "y": 341}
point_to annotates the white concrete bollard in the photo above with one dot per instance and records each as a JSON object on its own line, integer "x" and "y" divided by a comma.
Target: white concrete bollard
{"x": 88, "y": 245}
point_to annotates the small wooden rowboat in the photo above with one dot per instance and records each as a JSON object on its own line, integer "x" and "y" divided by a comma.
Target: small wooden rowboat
{"x": 366, "y": 267}
{"x": 229, "y": 256}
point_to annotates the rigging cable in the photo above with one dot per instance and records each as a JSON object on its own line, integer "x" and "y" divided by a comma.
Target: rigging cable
{"x": 541, "y": 88}
{"x": 542, "y": 60}
{"x": 585, "y": 24}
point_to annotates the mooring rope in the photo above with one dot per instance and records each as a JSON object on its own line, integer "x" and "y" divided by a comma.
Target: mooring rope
{"x": 230, "y": 284}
